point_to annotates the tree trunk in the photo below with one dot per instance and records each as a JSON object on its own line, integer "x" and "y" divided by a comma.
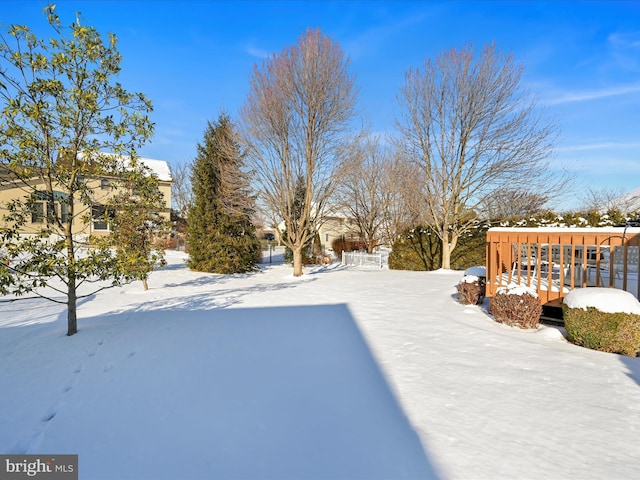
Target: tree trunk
{"x": 449, "y": 243}
{"x": 370, "y": 246}
{"x": 297, "y": 261}
{"x": 446, "y": 254}
{"x": 145, "y": 285}
{"x": 72, "y": 319}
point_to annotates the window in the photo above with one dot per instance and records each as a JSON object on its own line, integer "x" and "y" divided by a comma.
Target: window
{"x": 37, "y": 212}
{"x": 101, "y": 217}
{"x": 104, "y": 184}
{"x": 52, "y": 210}
{"x": 65, "y": 212}
{"x": 41, "y": 205}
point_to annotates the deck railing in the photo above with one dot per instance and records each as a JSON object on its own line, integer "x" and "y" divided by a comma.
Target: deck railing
{"x": 554, "y": 261}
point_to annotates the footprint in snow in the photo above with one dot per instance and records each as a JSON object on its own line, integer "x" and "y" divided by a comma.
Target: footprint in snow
{"x": 49, "y": 416}
{"x": 69, "y": 387}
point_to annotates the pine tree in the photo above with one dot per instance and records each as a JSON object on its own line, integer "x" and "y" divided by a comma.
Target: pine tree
{"x": 220, "y": 234}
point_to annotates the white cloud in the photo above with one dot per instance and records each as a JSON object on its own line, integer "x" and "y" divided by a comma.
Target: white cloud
{"x": 624, "y": 48}
{"x": 599, "y": 146}
{"x": 368, "y": 42}
{"x": 586, "y": 96}
{"x": 256, "y": 52}
{"x": 625, "y": 40}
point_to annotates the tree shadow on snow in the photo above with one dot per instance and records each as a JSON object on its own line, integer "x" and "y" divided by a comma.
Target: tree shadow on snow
{"x": 175, "y": 266}
{"x": 279, "y": 392}
{"x": 202, "y": 280}
{"x": 209, "y": 300}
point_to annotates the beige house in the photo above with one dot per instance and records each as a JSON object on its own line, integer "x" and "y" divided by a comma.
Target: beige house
{"x": 337, "y": 227}
{"x": 101, "y": 188}
{"x": 332, "y": 228}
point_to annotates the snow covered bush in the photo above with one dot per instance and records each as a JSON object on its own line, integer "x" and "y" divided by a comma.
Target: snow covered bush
{"x": 472, "y": 287}
{"x": 471, "y": 290}
{"x": 603, "y": 319}
{"x": 517, "y": 306}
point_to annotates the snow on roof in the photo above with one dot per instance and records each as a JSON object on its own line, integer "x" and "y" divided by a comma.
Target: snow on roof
{"x": 159, "y": 167}
{"x": 610, "y": 300}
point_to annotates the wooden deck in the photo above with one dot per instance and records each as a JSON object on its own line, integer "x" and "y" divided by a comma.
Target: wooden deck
{"x": 554, "y": 261}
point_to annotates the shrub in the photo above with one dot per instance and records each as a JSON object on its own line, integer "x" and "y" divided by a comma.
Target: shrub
{"x": 420, "y": 248}
{"x": 607, "y": 332}
{"x": 516, "y": 306}
{"x": 416, "y": 249}
{"x": 471, "y": 290}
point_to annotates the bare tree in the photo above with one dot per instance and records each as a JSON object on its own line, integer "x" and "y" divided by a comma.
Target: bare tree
{"x": 181, "y": 191}
{"x": 402, "y": 191}
{"x": 299, "y": 106}
{"x": 378, "y": 190}
{"x": 510, "y": 203}
{"x": 360, "y": 193}
{"x": 474, "y": 132}
{"x": 606, "y": 200}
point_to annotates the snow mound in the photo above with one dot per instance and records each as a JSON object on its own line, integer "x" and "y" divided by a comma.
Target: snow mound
{"x": 478, "y": 271}
{"x": 551, "y": 333}
{"x": 610, "y": 300}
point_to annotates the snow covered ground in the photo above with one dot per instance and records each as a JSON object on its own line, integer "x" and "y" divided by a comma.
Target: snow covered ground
{"x": 342, "y": 373}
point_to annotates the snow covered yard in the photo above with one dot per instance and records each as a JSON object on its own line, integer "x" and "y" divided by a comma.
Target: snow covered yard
{"x": 342, "y": 373}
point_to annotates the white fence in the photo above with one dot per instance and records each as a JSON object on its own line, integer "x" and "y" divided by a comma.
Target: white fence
{"x": 364, "y": 259}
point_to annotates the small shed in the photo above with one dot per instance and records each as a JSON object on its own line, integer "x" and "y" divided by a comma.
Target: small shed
{"x": 554, "y": 261}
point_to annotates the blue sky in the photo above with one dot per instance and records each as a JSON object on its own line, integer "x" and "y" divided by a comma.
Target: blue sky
{"x": 194, "y": 58}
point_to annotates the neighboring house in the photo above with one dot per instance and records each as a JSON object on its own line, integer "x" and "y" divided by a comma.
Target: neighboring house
{"x": 337, "y": 227}
{"x": 332, "y": 228}
{"x": 101, "y": 187}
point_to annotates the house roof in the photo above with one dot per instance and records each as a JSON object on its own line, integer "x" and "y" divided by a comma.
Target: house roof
{"x": 159, "y": 167}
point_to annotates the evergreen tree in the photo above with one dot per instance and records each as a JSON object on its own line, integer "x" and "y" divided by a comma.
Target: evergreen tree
{"x": 137, "y": 226}
{"x": 60, "y": 109}
{"x": 220, "y": 234}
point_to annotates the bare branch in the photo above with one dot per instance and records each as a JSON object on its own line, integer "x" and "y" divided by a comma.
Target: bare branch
{"x": 475, "y": 132}
{"x": 297, "y": 111}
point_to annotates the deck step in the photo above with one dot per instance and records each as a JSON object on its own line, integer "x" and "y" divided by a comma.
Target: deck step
{"x": 552, "y": 313}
